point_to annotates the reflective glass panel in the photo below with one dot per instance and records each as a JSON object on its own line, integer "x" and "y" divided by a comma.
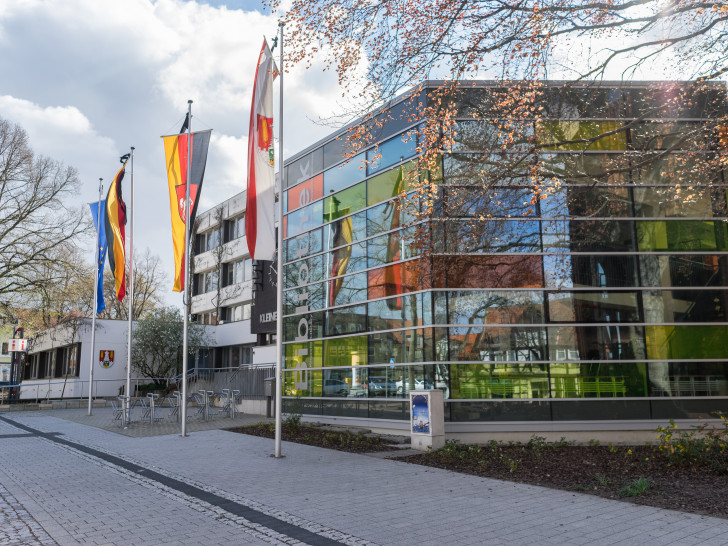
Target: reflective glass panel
{"x": 686, "y": 342}
{"x": 587, "y": 236}
{"x": 498, "y": 381}
{"x": 346, "y": 351}
{"x": 685, "y": 305}
{"x": 580, "y": 135}
{"x": 609, "y": 342}
{"x": 346, "y": 174}
{"x": 688, "y": 378}
{"x": 684, "y": 270}
{"x": 304, "y": 271}
{"x": 304, "y": 219}
{"x": 672, "y": 201}
{"x": 390, "y": 184}
{"x": 349, "y": 289}
{"x": 587, "y": 201}
{"x": 303, "y": 194}
{"x": 487, "y": 271}
{"x": 597, "y": 380}
{"x": 682, "y": 235}
{"x": 346, "y": 230}
{"x": 310, "y": 297}
{"x": 492, "y": 236}
{"x": 304, "y": 326}
{"x": 495, "y": 307}
{"x": 345, "y": 202}
{"x": 303, "y": 245}
{"x": 497, "y": 343}
{"x": 598, "y": 271}
{"x": 392, "y": 151}
{"x": 593, "y": 307}
{"x": 346, "y": 320}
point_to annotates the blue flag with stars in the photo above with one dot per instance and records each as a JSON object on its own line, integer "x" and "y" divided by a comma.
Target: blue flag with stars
{"x": 103, "y": 245}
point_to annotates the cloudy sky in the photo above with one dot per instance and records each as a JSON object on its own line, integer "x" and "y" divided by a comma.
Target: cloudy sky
{"x": 88, "y": 79}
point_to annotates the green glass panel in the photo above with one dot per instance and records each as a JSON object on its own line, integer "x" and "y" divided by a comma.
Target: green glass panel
{"x": 309, "y": 352}
{"x": 345, "y": 202}
{"x": 302, "y": 383}
{"x": 389, "y": 184}
{"x": 686, "y": 342}
{"x": 551, "y": 134}
{"x": 679, "y": 235}
{"x": 597, "y": 380}
{"x": 346, "y": 351}
{"x": 476, "y": 381}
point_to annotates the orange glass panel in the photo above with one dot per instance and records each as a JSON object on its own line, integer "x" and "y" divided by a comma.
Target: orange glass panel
{"x": 305, "y": 192}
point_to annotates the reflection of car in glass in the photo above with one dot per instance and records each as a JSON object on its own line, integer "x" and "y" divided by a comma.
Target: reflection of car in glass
{"x": 403, "y": 386}
{"x": 381, "y": 386}
{"x": 335, "y": 387}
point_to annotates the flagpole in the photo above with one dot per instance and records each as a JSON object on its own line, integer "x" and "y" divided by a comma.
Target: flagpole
{"x": 279, "y": 281}
{"x": 186, "y": 292}
{"x": 96, "y": 298}
{"x": 131, "y": 289}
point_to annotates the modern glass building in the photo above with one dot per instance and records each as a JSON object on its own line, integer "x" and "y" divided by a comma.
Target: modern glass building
{"x": 576, "y": 274}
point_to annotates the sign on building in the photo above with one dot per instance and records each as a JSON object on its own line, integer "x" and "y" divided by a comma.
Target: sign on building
{"x": 106, "y": 358}
{"x": 17, "y": 345}
{"x": 263, "y": 313}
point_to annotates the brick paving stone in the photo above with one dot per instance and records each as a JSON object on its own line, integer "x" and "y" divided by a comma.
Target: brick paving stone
{"x": 347, "y": 497}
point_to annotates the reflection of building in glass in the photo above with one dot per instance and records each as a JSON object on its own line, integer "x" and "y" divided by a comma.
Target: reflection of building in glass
{"x": 604, "y": 300}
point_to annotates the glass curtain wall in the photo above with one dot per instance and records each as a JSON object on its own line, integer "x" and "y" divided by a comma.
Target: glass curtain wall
{"x": 604, "y": 300}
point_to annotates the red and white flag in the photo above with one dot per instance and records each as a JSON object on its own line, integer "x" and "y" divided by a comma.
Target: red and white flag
{"x": 259, "y": 212}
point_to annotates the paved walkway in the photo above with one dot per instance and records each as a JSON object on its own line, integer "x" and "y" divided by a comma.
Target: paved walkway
{"x": 62, "y": 482}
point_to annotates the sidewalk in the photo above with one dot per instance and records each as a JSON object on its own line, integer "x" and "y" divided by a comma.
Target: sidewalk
{"x": 70, "y": 483}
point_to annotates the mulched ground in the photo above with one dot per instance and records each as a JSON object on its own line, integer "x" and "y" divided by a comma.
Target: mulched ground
{"x": 596, "y": 470}
{"x": 604, "y": 471}
{"x": 341, "y": 440}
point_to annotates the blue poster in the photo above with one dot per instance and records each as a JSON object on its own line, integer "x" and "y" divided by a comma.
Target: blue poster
{"x": 421, "y": 414}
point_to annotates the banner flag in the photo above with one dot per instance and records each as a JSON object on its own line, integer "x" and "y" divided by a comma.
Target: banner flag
{"x": 342, "y": 233}
{"x": 175, "y": 151}
{"x": 115, "y": 225}
{"x": 260, "y": 197}
{"x": 393, "y": 273}
{"x": 103, "y": 246}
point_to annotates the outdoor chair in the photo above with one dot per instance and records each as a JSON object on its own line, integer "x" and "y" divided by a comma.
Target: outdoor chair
{"x": 118, "y": 412}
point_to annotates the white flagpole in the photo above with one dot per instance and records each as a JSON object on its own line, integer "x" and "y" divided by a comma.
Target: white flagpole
{"x": 186, "y": 293}
{"x": 279, "y": 281}
{"x": 131, "y": 290}
{"x": 94, "y": 307}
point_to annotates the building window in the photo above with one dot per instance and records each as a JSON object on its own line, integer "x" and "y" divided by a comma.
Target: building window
{"x": 207, "y": 241}
{"x": 234, "y": 228}
{"x": 236, "y": 313}
{"x": 5, "y": 349}
{"x": 238, "y": 271}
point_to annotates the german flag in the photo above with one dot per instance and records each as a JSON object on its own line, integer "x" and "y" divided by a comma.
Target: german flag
{"x": 115, "y": 226}
{"x": 175, "y": 151}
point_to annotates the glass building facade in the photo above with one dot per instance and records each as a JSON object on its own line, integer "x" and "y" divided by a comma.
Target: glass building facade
{"x": 603, "y": 298}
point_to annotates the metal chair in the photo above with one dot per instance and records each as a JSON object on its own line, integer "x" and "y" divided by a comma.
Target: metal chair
{"x": 118, "y": 412}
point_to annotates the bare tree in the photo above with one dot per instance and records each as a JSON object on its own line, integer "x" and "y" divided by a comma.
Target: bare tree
{"x": 148, "y": 281}
{"x": 38, "y": 225}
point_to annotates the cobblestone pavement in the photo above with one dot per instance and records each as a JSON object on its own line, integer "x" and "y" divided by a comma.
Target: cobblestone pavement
{"x": 62, "y": 482}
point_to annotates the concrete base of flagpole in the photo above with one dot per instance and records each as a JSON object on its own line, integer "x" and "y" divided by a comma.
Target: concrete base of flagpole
{"x": 274, "y": 456}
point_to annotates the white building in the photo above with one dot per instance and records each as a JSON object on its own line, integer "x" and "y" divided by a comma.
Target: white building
{"x": 58, "y": 360}
{"x": 223, "y": 289}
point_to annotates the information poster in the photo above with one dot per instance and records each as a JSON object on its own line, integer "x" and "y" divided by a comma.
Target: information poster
{"x": 421, "y": 414}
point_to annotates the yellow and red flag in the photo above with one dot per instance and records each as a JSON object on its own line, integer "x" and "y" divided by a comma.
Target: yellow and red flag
{"x": 175, "y": 151}
{"x": 115, "y": 223}
{"x": 260, "y": 198}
